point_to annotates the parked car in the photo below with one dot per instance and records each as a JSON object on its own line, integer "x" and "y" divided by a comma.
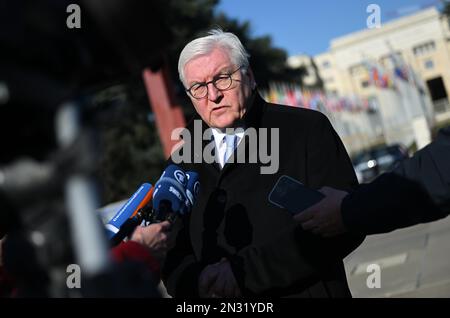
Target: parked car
{"x": 371, "y": 163}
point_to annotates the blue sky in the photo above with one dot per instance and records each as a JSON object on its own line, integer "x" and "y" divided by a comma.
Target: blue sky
{"x": 307, "y": 26}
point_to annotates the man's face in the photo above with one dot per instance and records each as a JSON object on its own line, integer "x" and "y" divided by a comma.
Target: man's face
{"x": 219, "y": 109}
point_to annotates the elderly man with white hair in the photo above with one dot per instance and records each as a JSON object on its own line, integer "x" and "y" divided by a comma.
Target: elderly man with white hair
{"x": 235, "y": 242}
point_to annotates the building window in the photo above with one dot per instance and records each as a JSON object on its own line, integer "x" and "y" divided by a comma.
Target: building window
{"x": 425, "y": 48}
{"x": 365, "y": 84}
{"x": 429, "y": 64}
{"x": 326, "y": 64}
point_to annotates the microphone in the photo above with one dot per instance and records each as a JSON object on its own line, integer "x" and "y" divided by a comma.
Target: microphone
{"x": 192, "y": 188}
{"x": 169, "y": 197}
{"x": 129, "y": 210}
{"x": 174, "y": 194}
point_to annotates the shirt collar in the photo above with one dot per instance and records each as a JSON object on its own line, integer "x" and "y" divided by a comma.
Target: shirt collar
{"x": 219, "y": 135}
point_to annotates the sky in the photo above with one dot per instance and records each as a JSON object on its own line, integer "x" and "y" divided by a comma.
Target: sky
{"x": 307, "y": 26}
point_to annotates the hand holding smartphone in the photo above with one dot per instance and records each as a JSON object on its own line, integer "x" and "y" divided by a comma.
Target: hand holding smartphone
{"x": 293, "y": 195}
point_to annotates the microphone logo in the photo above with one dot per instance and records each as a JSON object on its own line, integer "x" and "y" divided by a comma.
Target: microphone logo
{"x": 175, "y": 192}
{"x": 180, "y": 176}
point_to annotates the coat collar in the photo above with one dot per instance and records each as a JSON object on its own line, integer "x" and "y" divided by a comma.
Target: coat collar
{"x": 252, "y": 118}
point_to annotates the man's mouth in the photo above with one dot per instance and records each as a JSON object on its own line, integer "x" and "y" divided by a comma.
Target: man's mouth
{"x": 218, "y": 108}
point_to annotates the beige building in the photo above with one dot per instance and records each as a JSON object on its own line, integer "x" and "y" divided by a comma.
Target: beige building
{"x": 421, "y": 40}
{"x": 405, "y": 114}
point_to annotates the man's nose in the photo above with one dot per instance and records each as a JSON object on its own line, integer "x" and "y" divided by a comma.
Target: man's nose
{"x": 213, "y": 93}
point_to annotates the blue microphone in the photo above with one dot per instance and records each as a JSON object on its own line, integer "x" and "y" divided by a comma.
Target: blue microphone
{"x": 169, "y": 197}
{"x": 138, "y": 200}
{"x": 192, "y": 188}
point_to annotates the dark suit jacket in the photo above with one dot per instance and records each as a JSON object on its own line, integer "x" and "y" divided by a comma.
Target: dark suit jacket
{"x": 270, "y": 255}
{"x": 417, "y": 191}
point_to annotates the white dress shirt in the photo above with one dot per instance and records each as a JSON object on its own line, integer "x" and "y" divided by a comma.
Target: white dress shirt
{"x": 221, "y": 147}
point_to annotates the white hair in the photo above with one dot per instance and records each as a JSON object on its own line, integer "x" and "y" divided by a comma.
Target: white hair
{"x": 205, "y": 45}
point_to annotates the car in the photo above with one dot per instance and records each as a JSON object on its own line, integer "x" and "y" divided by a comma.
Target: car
{"x": 371, "y": 163}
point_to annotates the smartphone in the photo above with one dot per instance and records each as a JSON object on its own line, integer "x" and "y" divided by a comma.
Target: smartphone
{"x": 293, "y": 195}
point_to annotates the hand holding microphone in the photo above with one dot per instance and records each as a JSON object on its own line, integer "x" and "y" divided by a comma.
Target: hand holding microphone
{"x": 155, "y": 237}
{"x": 173, "y": 195}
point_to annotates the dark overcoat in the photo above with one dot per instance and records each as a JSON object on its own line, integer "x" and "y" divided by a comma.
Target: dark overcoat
{"x": 270, "y": 254}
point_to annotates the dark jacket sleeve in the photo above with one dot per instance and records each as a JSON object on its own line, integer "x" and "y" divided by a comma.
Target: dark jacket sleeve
{"x": 417, "y": 191}
{"x": 296, "y": 255}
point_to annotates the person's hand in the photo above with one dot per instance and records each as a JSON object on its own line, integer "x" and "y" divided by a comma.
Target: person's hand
{"x": 154, "y": 237}
{"x": 217, "y": 280}
{"x": 325, "y": 217}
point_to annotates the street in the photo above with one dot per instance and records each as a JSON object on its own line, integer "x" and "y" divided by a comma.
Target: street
{"x": 414, "y": 262}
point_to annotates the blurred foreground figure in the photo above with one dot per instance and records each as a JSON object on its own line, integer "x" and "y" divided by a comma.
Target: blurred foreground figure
{"x": 417, "y": 191}
{"x": 48, "y": 75}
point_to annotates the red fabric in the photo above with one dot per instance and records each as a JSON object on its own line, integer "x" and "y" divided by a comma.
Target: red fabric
{"x": 125, "y": 251}
{"x": 134, "y": 251}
